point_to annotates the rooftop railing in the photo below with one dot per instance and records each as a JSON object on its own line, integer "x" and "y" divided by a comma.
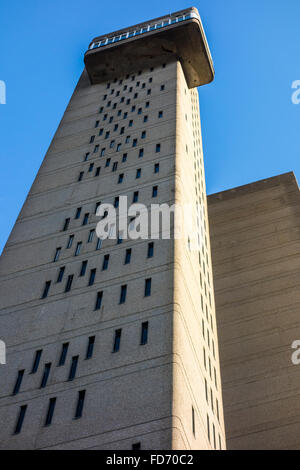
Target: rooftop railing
{"x": 137, "y": 32}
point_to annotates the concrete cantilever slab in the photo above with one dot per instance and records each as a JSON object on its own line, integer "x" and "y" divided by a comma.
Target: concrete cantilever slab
{"x": 184, "y": 41}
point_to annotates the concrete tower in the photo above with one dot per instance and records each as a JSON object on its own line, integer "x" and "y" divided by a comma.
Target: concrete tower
{"x": 113, "y": 344}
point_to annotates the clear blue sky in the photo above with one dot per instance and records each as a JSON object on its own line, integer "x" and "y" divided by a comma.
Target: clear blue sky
{"x": 251, "y": 129}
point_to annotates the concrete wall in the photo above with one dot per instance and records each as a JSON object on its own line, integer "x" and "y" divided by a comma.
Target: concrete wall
{"x": 142, "y": 393}
{"x": 194, "y": 314}
{"x": 255, "y": 237}
{"x": 129, "y": 393}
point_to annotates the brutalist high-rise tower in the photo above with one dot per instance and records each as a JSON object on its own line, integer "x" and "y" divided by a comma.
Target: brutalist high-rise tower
{"x": 113, "y": 344}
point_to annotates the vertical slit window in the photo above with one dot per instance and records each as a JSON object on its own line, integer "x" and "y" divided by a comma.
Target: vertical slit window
{"x": 80, "y": 403}
{"x": 57, "y": 253}
{"x": 92, "y": 277}
{"x": 117, "y": 340}
{"x": 90, "y": 347}
{"x": 18, "y": 382}
{"x": 150, "y": 250}
{"x": 147, "y": 287}
{"x": 73, "y": 368}
{"x": 208, "y": 427}
{"x": 193, "y": 421}
{"x": 69, "y": 283}
{"x": 98, "y": 300}
{"x": 66, "y": 224}
{"x": 46, "y": 289}
{"x": 123, "y": 294}
{"x": 20, "y": 419}
{"x": 70, "y": 241}
{"x": 154, "y": 191}
{"x": 127, "y": 256}
{"x": 63, "y": 354}
{"x": 91, "y": 235}
{"x": 36, "y": 362}
{"x": 105, "y": 262}
{"x": 78, "y": 212}
{"x": 50, "y": 411}
{"x": 45, "y": 375}
{"x": 144, "y": 333}
{"x": 85, "y": 219}
{"x": 83, "y": 268}
{"x": 78, "y": 248}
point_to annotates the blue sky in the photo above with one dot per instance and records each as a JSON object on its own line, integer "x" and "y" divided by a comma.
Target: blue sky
{"x": 250, "y": 126}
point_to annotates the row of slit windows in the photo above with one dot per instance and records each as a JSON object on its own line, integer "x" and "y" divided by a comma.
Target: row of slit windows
{"x": 75, "y": 359}
{"x": 122, "y": 128}
{"x": 72, "y": 373}
{"x": 114, "y": 167}
{"x": 123, "y": 288}
{"x": 50, "y": 414}
{"x": 150, "y": 252}
{"x": 121, "y": 176}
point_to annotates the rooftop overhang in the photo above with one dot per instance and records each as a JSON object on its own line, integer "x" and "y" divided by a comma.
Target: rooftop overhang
{"x": 183, "y": 40}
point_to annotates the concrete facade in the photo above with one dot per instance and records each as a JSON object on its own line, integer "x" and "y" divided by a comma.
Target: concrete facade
{"x": 255, "y": 239}
{"x": 165, "y": 394}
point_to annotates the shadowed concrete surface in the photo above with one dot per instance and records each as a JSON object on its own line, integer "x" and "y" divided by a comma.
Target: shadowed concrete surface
{"x": 255, "y": 240}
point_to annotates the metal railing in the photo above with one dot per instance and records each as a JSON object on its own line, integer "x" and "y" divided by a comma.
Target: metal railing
{"x": 137, "y": 32}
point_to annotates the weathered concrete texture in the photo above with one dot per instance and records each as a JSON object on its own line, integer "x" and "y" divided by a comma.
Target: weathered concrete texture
{"x": 255, "y": 239}
{"x": 142, "y": 393}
